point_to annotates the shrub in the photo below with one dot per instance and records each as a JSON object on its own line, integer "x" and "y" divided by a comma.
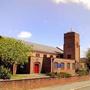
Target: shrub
{"x": 52, "y": 74}
{"x": 4, "y": 73}
{"x": 65, "y": 75}
{"x": 59, "y": 75}
{"x": 82, "y": 72}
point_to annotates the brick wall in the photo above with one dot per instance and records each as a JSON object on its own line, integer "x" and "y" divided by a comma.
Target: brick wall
{"x": 29, "y": 84}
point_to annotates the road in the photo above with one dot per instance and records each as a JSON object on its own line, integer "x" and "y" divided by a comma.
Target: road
{"x": 73, "y": 86}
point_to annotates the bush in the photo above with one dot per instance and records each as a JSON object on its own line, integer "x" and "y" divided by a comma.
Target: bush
{"x": 65, "y": 75}
{"x": 4, "y": 73}
{"x": 52, "y": 74}
{"x": 82, "y": 72}
{"x": 59, "y": 75}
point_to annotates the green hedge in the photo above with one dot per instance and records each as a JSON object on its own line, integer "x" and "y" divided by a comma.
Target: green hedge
{"x": 59, "y": 75}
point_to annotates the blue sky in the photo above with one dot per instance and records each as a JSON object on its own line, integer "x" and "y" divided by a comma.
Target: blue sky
{"x": 45, "y": 21}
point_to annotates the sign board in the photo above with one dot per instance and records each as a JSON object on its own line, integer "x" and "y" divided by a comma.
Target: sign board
{"x": 60, "y": 65}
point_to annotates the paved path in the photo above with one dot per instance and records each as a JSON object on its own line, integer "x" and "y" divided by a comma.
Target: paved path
{"x": 73, "y": 86}
{"x": 84, "y": 88}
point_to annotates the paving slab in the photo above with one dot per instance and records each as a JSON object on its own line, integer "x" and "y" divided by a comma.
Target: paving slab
{"x": 84, "y": 85}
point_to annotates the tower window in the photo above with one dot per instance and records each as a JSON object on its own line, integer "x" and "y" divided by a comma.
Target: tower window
{"x": 71, "y": 44}
{"x": 69, "y": 56}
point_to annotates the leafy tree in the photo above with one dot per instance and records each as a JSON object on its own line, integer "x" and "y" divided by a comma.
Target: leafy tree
{"x": 13, "y": 51}
{"x": 88, "y": 59}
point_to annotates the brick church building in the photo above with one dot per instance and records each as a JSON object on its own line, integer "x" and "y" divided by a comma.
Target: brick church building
{"x": 45, "y": 59}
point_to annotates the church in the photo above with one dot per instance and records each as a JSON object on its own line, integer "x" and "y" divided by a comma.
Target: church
{"x": 46, "y": 59}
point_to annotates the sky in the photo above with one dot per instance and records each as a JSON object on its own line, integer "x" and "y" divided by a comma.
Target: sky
{"x": 46, "y": 21}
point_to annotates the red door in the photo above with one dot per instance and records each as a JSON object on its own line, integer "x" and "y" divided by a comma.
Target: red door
{"x": 36, "y": 68}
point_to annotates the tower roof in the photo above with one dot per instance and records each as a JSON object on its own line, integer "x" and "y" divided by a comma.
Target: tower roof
{"x": 71, "y": 33}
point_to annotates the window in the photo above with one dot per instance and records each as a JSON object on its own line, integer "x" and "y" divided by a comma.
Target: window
{"x": 58, "y": 56}
{"x": 62, "y": 65}
{"x": 71, "y": 44}
{"x": 51, "y": 56}
{"x": 44, "y": 55}
{"x": 69, "y": 56}
{"x": 37, "y": 55}
{"x": 61, "y": 56}
{"x": 68, "y": 65}
{"x": 73, "y": 65}
{"x": 55, "y": 65}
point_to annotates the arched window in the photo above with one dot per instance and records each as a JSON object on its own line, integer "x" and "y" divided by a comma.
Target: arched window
{"x": 51, "y": 56}
{"x": 68, "y": 65}
{"x": 45, "y": 55}
{"x": 62, "y": 65}
{"x": 73, "y": 65}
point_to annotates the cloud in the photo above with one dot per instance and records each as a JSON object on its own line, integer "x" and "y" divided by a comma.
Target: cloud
{"x": 24, "y": 35}
{"x": 83, "y": 52}
{"x": 61, "y": 47}
{"x": 85, "y": 3}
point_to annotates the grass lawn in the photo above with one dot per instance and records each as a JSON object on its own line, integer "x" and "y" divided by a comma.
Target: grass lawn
{"x": 20, "y": 76}
{"x": 28, "y": 76}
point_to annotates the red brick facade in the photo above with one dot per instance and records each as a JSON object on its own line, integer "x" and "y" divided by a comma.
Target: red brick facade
{"x": 71, "y": 56}
{"x": 47, "y": 61}
{"x": 72, "y": 46}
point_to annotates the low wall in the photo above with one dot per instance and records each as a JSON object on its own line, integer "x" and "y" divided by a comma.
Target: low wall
{"x": 29, "y": 84}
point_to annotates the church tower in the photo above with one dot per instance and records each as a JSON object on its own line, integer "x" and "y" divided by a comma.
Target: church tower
{"x": 72, "y": 46}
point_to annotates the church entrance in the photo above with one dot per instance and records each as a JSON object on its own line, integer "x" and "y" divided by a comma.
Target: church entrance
{"x": 37, "y": 67}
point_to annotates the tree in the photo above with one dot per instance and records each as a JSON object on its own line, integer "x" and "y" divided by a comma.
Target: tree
{"x": 88, "y": 59}
{"x": 13, "y": 51}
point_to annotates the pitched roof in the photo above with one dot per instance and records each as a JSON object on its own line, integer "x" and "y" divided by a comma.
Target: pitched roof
{"x": 45, "y": 48}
